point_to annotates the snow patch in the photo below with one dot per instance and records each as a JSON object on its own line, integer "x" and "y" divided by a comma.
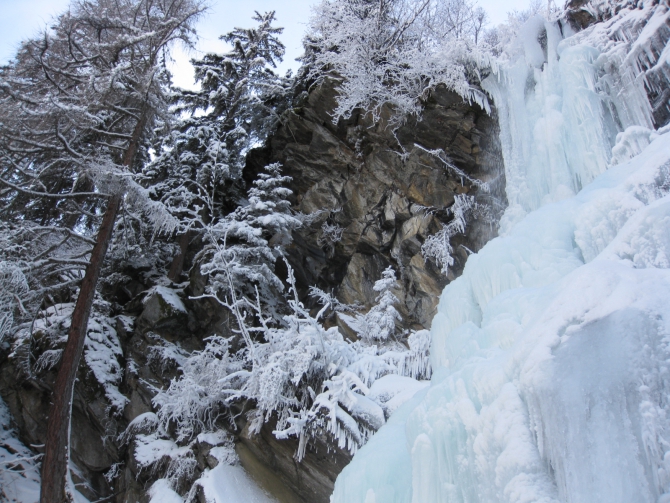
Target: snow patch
{"x": 161, "y": 492}
{"x": 171, "y": 298}
{"x": 102, "y": 351}
{"x": 231, "y": 484}
{"x": 19, "y": 467}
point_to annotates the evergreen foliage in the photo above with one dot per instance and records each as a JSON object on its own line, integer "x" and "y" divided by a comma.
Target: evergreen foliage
{"x": 239, "y": 102}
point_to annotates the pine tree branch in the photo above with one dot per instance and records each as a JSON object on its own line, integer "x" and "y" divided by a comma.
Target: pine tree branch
{"x": 75, "y": 195}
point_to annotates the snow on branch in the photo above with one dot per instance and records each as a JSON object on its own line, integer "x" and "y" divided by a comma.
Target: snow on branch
{"x": 441, "y": 155}
{"x": 13, "y": 287}
{"x": 395, "y": 52}
{"x": 438, "y": 246}
{"x": 309, "y": 378}
{"x": 109, "y": 177}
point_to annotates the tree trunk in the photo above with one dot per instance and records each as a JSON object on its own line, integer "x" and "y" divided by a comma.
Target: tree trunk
{"x": 55, "y": 463}
{"x": 56, "y": 456}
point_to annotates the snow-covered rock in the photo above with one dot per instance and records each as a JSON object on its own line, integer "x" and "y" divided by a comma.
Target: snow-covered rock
{"x": 19, "y": 466}
{"x": 163, "y": 311}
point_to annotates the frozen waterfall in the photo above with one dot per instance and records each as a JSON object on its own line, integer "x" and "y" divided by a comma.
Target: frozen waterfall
{"x": 552, "y": 350}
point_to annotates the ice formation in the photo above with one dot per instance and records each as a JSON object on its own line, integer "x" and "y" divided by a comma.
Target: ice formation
{"x": 551, "y": 352}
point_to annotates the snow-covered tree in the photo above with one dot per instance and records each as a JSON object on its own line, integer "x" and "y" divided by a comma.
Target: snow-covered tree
{"x": 382, "y": 316}
{"x": 238, "y": 104}
{"x": 378, "y": 324}
{"x": 309, "y": 378}
{"x": 242, "y": 246}
{"x": 76, "y": 103}
{"x": 393, "y": 52}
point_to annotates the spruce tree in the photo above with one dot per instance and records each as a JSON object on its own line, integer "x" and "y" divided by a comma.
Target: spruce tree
{"x": 238, "y": 104}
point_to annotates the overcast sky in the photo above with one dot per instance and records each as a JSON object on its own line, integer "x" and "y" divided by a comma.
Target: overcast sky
{"x": 20, "y": 19}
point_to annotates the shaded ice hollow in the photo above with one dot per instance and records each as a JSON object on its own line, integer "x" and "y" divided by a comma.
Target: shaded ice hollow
{"x": 551, "y": 352}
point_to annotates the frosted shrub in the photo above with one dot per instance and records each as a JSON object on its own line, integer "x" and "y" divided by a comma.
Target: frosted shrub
{"x": 193, "y": 402}
{"x": 310, "y": 379}
{"x": 330, "y": 234}
{"x": 438, "y": 246}
{"x": 394, "y": 52}
{"x": 342, "y": 410}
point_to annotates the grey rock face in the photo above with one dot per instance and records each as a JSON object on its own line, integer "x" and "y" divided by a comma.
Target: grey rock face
{"x": 384, "y": 193}
{"x": 272, "y": 464}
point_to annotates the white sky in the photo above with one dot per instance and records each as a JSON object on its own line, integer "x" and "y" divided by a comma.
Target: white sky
{"x": 20, "y": 19}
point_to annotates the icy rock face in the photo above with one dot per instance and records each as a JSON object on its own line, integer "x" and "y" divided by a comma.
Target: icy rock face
{"x": 552, "y": 349}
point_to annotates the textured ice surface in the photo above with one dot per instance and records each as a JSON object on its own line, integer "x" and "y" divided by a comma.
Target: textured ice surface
{"x": 551, "y": 352}
{"x": 392, "y": 390}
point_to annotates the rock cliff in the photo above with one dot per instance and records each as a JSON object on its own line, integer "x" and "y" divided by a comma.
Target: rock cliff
{"x": 383, "y": 193}
{"x": 370, "y": 197}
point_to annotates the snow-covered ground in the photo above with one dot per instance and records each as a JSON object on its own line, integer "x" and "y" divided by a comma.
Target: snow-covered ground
{"x": 551, "y": 353}
{"x": 223, "y": 484}
{"x": 19, "y": 470}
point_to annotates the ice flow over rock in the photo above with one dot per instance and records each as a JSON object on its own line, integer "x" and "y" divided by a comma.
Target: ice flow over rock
{"x": 552, "y": 351}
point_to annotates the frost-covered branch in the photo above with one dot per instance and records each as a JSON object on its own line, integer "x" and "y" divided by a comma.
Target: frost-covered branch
{"x": 394, "y": 53}
{"x": 438, "y": 246}
{"x": 451, "y": 167}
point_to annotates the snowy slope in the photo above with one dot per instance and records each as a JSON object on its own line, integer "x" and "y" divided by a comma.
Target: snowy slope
{"x": 551, "y": 355}
{"x": 19, "y": 470}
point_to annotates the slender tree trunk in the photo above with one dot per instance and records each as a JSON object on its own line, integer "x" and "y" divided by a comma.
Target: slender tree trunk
{"x": 56, "y": 456}
{"x": 55, "y": 463}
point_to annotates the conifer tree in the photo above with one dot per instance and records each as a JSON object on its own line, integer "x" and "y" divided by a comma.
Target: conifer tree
{"x": 244, "y": 245}
{"x": 379, "y": 322}
{"x": 239, "y": 102}
{"x": 200, "y": 164}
